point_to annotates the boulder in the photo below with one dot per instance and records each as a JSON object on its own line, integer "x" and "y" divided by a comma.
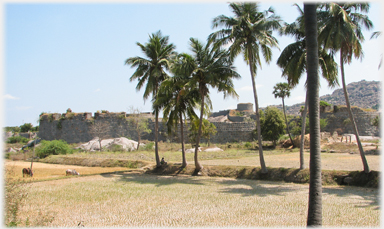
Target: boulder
{"x": 192, "y": 150}
{"x": 94, "y": 145}
{"x": 10, "y": 150}
{"x": 214, "y": 149}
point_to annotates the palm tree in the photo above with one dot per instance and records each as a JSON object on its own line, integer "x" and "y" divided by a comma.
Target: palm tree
{"x": 376, "y": 35}
{"x": 341, "y": 26}
{"x": 292, "y": 61}
{"x": 282, "y": 90}
{"x": 178, "y": 101}
{"x": 249, "y": 32}
{"x": 208, "y": 66}
{"x": 315, "y": 188}
{"x": 151, "y": 69}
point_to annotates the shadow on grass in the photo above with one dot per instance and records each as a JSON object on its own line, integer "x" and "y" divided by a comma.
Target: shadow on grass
{"x": 368, "y": 194}
{"x": 157, "y": 180}
{"x": 259, "y": 188}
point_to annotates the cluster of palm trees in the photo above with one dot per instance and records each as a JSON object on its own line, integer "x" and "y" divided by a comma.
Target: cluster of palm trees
{"x": 180, "y": 83}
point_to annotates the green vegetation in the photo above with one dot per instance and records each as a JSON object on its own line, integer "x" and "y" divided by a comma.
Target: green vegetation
{"x": 376, "y": 121}
{"x": 23, "y": 128}
{"x": 272, "y": 124}
{"x": 17, "y": 139}
{"x": 207, "y": 129}
{"x": 324, "y": 104}
{"x": 54, "y": 147}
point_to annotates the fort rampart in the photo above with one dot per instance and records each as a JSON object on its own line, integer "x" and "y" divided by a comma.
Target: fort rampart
{"x": 75, "y": 127}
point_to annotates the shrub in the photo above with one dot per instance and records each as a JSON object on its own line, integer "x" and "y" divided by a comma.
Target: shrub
{"x": 116, "y": 148}
{"x": 26, "y": 127}
{"x": 13, "y": 129}
{"x": 248, "y": 145}
{"x": 50, "y": 118}
{"x": 54, "y": 147}
{"x": 323, "y": 124}
{"x": 324, "y": 104}
{"x": 17, "y": 139}
{"x": 148, "y": 146}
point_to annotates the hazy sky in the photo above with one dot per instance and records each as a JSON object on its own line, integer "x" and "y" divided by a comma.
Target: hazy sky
{"x": 60, "y": 56}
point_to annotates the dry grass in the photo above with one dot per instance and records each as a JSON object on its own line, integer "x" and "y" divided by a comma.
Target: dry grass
{"x": 133, "y": 200}
{"x": 44, "y": 171}
{"x": 329, "y": 161}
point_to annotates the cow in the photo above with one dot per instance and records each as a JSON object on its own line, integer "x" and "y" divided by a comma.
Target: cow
{"x": 71, "y": 172}
{"x": 27, "y": 171}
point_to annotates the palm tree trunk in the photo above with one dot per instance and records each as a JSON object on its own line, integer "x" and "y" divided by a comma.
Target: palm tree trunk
{"x": 351, "y": 117}
{"x": 302, "y": 139}
{"x": 184, "y": 164}
{"x": 315, "y": 182}
{"x": 261, "y": 155}
{"x": 286, "y": 122}
{"x": 138, "y": 140}
{"x": 198, "y": 166}
{"x": 158, "y": 164}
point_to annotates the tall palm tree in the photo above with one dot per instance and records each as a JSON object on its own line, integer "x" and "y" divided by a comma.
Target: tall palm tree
{"x": 282, "y": 90}
{"x": 152, "y": 70}
{"x": 376, "y": 35}
{"x": 249, "y": 32}
{"x": 178, "y": 101}
{"x": 208, "y": 66}
{"x": 314, "y": 217}
{"x": 341, "y": 30}
{"x": 292, "y": 61}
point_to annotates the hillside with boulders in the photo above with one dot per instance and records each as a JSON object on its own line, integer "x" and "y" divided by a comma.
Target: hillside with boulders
{"x": 363, "y": 94}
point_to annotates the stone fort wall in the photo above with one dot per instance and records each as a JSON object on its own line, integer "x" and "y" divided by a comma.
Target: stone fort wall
{"x": 75, "y": 127}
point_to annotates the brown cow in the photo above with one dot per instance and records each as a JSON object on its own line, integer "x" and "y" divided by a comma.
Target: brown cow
{"x": 27, "y": 171}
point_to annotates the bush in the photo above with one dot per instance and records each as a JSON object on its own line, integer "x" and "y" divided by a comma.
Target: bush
{"x": 26, "y": 127}
{"x": 54, "y": 147}
{"x": 148, "y": 146}
{"x": 17, "y": 139}
{"x": 116, "y": 148}
{"x": 324, "y": 104}
{"x": 248, "y": 145}
{"x": 14, "y": 129}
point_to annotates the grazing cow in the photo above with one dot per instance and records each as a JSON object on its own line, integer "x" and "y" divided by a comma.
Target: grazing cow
{"x": 71, "y": 172}
{"x": 27, "y": 171}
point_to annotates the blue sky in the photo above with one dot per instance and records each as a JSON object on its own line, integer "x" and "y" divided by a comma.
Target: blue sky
{"x": 59, "y": 56}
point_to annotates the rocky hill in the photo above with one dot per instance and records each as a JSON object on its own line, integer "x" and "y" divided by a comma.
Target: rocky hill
{"x": 364, "y": 94}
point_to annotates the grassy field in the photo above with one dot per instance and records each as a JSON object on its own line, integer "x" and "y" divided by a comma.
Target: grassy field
{"x": 135, "y": 200}
{"x": 120, "y": 196}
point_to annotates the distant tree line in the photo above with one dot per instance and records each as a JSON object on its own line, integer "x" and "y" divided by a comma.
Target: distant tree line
{"x": 21, "y": 129}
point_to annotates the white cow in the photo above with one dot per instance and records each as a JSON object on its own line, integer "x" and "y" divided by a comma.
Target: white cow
{"x": 71, "y": 172}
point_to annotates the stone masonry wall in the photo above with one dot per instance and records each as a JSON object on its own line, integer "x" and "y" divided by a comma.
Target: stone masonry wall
{"x": 75, "y": 127}
{"x": 337, "y": 121}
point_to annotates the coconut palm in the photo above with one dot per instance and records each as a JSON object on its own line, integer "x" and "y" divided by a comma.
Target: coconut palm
{"x": 152, "y": 70}
{"x": 208, "y": 66}
{"x": 249, "y": 32}
{"x": 292, "y": 61}
{"x": 341, "y": 30}
{"x": 282, "y": 90}
{"x": 314, "y": 217}
{"x": 376, "y": 35}
{"x": 178, "y": 101}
